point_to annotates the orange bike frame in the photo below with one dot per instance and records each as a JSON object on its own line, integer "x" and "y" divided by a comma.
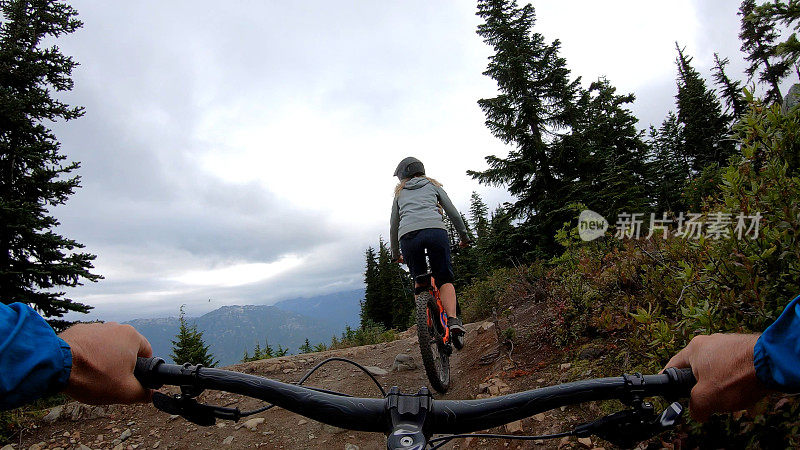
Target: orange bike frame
{"x": 442, "y": 314}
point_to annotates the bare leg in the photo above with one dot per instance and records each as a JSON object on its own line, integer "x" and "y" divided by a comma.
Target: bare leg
{"x": 448, "y": 295}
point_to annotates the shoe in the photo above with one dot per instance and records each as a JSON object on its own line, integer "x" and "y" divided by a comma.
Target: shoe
{"x": 457, "y": 332}
{"x": 455, "y": 325}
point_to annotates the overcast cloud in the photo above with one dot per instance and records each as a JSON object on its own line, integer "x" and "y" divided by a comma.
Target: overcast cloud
{"x": 241, "y": 152}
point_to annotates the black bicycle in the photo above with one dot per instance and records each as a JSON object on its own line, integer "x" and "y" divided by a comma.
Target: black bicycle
{"x": 410, "y": 421}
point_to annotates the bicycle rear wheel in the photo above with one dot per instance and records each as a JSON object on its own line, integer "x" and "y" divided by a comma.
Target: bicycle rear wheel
{"x": 431, "y": 343}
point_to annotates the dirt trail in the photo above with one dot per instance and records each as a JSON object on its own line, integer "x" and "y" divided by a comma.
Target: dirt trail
{"x": 144, "y": 427}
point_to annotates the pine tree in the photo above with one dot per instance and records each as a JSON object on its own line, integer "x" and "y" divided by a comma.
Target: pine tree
{"x": 730, "y": 91}
{"x": 759, "y": 42}
{"x": 479, "y": 216}
{"x": 370, "y": 306}
{"x": 188, "y": 345}
{"x": 281, "y": 351}
{"x": 705, "y": 129}
{"x": 533, "y": 109}
{"x": 34, "y": 177}
{"x": 605, "y": 155}
{"x": 669, "y": 168}
{"x": 306, "y": 347}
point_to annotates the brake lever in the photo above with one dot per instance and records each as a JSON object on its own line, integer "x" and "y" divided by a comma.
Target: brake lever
{"x": 197, "y": 413}
{"x": 629, "y": 427}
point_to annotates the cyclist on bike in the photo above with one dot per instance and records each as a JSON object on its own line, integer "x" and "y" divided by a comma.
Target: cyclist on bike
{"x": 417, "y": 225}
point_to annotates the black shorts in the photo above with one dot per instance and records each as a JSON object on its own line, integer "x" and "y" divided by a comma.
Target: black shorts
{"x": 437, "y": 242}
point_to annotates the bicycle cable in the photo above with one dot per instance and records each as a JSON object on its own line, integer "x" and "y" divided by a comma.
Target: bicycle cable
{"x": 314, "y": 369}
{"x": 445, "y": 439}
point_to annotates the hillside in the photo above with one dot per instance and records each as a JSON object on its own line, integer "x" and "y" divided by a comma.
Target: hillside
{"x": 231, "y": 330}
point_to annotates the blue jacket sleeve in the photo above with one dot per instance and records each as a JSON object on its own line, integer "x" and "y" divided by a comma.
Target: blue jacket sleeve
{"x": 777, "y": 352}
{"x": 33, "y": 361}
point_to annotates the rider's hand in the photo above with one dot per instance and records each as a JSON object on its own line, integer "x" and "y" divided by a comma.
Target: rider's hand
{"x": 463, "y": 243}
{"x": 400, "y": 260}
{"x": 103, "y": 359}
{"x": 725, "y": 373}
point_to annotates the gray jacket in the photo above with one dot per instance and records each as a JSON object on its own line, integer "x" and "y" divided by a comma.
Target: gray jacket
{"x": 416, "y": 207}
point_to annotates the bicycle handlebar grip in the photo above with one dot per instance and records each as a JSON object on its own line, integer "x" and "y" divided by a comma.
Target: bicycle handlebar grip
{"x": 145, "y": 372}
{"x": 683, "y": 379}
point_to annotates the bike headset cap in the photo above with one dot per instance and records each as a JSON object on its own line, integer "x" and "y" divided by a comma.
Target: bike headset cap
{"x": 409, "y": 167}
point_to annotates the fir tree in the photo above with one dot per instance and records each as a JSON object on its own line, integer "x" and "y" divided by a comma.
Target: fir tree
{"x": 34, "y": 176}
{"x": 705, "y": 129}
{"x": 533, "y": 109}
{"x": 188, "y": 345}
{"x": 669, "y": 167}
{"x": 759, "y": 42}
{"x": 306, "y": 347}
{"x": 479, "y": 216}
{"x": 281, "y": 351}
{"x": 370, "y": 306}
{"x": 730, "y": 91}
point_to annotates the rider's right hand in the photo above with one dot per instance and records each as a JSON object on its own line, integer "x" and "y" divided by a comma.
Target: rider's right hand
{"x": 725, "y": 373}
{"x": 399, "y": 260}
{"x": 103, "y": 358}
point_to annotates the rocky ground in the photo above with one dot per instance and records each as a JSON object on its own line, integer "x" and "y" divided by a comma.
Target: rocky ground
{"x": 482, "y": 369}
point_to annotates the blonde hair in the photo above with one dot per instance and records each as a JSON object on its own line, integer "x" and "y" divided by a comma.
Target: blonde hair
{"x": 403, "y": 182}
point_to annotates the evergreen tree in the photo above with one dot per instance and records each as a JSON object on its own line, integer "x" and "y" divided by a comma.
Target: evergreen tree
{"x": 604, "y": 157}
{"x": 306, "y": 347}
{"x": 533, "y": 109}
{"x": 730, "y": 91}
{"x": 371, "y": 304}
{"x": 281, "y": 351}
{"x": 188, "y": 345}
{"x": 396, "y": 299}
{"x": 669, "y": 167}
{"x": 759, "y": 42}
{"x": 34, "y": 177}
{"x": 479, "y": 216}
{"x": 705, "y": 129}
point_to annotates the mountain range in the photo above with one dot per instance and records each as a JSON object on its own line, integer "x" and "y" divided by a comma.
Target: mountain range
{"x": 231, "y": 330}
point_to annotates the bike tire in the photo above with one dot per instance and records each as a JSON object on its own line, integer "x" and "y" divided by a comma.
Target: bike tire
{"x": 434, "y": 358}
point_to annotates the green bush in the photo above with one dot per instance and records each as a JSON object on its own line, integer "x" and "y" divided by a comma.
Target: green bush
{"x": 368, "y": 334}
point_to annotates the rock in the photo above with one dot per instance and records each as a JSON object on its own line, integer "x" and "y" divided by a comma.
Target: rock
{"x": 483, "y": 388}
{"x": 403, "y": 362}
{"x": 514, "y": 427}
{"x": 563, "y": 442}
{"x": 792, "y": 98}
{"x": 539, "y": 417}
{"x": 377, "y": 371}
{"x": 252, "y": 424}
{"x": 485, "y": 326}
{"x": 288, "y": 370}
{"x": 590, "y": 353}
{"x": 118, "y": 447}
{"x": 54, "y": 414}
{"x": 565, "y": 366}
{"x": 349, "y": 446}
{"x": 586, "y": 442}
{"x": 156, "y": 444}
{"x": 125, "y": 435}
{"x": 83, "y": 447}
{"x": 302, "y": 422}
{"x": 35, "y": 447}
{"x": 7, "y": 447}
{"x": 66, "y": 434}
{"x": 173, "y": 417}
{"x": 494, "y": 390}
{"x": 227, "y": 440}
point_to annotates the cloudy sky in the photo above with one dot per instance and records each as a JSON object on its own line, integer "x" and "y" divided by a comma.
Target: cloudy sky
{"x": 242, "y": 152}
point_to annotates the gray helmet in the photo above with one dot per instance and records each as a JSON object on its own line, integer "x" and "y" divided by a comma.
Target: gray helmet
{"x": 409, "y": 167}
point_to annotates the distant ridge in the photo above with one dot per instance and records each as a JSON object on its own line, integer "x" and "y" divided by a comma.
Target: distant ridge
{"x": 231, "y": 330}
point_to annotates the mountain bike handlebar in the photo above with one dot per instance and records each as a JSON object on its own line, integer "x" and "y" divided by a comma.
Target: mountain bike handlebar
{"x": 411, "y": 419}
